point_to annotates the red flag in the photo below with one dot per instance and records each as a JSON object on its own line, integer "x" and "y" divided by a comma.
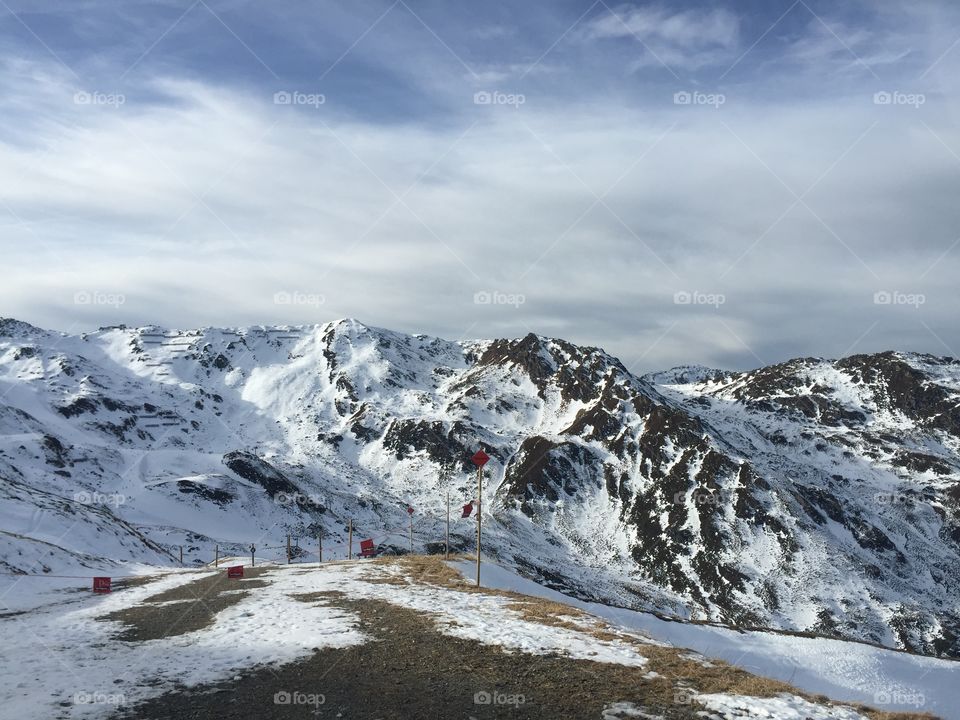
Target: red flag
{"x": 468, "y": 509}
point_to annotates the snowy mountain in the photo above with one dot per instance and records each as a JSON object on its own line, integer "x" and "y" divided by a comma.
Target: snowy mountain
{"x": 817, "y": 496}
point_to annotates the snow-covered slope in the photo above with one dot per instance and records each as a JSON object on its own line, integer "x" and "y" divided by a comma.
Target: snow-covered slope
{"x": 85, "y": 656}
{"x": 814, "y": 496}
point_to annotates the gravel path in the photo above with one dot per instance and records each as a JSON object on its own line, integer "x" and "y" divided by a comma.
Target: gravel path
{"x": 412, "y": 671}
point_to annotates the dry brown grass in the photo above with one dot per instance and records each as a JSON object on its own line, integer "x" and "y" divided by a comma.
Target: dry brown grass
{"x": 713, "y": 676}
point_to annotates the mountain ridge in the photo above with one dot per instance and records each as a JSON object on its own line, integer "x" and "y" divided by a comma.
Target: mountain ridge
{"x": 812, "y": 495}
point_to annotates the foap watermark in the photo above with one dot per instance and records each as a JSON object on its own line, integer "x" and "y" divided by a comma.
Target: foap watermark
{"x": 283, "y": 498}
{"x": 684, "y": 696}
{"x": 683, "y": 97}
{"x": 495, "y": 297}
{"x": 900, "y": 698}
{"x": 895, "y": 297}
{"x": 96, "y": 498}
{"x": 498, "y": 698}
{"x": 697, "y": 498}
{"x": 298, "y": 298}
{"x": 84, "y": 97}
{"x": 695, "y": 297}
{"x": 495, "y": 97}
{"x": 99, "y": 698}
{"x": 894, "y": 499}
{"x": 296, "y": 697}
{"x": 897, "y": 97}
{"x": 95, "y": 297}
{"x": 295, "y": 97}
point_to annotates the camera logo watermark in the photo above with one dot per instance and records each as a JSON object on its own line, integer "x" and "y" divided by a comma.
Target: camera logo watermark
{"x": 299, "y": 698}
{"x": 895, "y": 297}
{"x": 495, "y": 97}
{"x": 684, "y": 696}
{"x": 99, "y": 698}
{"x": 96, "y": 498}
{"x": 495, "y": 297}
{"x": 896, "y": 97}
{"x": 298, "y": 298}
{"x": 695, "y": 297}
{"x": 83, "y": 97}
{"x": 95, "y": 297}
{"x": 699, "y": 98}
{"x": 295, "y": 97}
{"x": 498, "y": 698}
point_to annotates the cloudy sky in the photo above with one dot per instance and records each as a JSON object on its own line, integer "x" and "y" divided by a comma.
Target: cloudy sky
{"x": 730, "y": 184}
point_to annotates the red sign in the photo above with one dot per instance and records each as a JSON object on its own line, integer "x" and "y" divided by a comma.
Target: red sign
{"x": 235, "y": 571}
{"x": 101, "y": 584}
{"x": 409, "y": 510}
{"x": 480, "y": 459}
{"x": 468, "y": 509}
{"x": 367, "y": 548}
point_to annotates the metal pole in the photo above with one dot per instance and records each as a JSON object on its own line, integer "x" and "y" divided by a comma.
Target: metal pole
{"x": 411, "y": 533}
{"x": 350, "y": 538}
{"x": 479, "y": 515}
{"x": 181, "y": 554}
{"x": 446, "y": 551}
{"x": 320, "y": 547}
{"x": 216, "y": 560}
{"x": 288, "y": 548}
{"x": 253, "y": 560}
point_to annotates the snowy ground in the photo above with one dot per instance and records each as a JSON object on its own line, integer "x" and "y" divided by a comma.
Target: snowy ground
{"x": 69, "y": 664}
{"x": 844, "y": 671}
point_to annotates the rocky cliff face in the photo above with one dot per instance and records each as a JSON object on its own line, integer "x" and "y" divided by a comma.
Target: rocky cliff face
{"x": 813, "y": 495}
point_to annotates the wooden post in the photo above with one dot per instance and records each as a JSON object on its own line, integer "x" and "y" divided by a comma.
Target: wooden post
{"x": 319, "y": 547}
{"x": 411, "y": 533}
{"x": 288, "y": 548}
{"x": 253, "y": 550}
{"x": 479, "y": 515}
{"x": 446, "y": 552}
{"x": 216, "y": 559}
{"x": 181, "y": 554}
{"x": 350, "y": 538}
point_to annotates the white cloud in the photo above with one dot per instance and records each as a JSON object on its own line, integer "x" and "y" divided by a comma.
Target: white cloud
{"x": 685, "y": 39}
{"x": 199, "y": 201}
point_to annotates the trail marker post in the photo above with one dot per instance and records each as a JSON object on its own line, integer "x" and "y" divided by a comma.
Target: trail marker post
{"x": 410, "y": 513}
{"x": 181, "y": 554}
{"x": 350, "y": 539}
{"x": 288, "y": 548}
{"x": 253, "y": 550}
{"x": 446, "y": 546}
{"x": 319, "y": 548}
{"x": 216, "y": 557}
{"x": 480, "y": 459}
